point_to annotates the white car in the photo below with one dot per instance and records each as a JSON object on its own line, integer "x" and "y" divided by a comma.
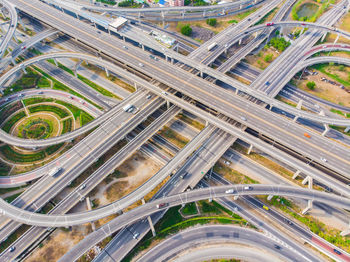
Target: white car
{"x": 140, "y": 64}
{"x": 243, "y": 118}
{"x": 324, "y": 159}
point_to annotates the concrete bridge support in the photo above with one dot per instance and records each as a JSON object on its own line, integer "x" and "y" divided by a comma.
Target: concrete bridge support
{"x": 250, "y": 149}
{"x": 296, "y": 174}
{"x": 347, "y": 129}
{"x": 300, "y": 104}
{"x": 326, "y": 129}
{"x": 308, "y": 180}
{"x": 346, "y": 231}
{"x": 88, "y": 205}
{"x": 76, "y": 67}
{"x": 308, "y": 208}
{"x": 269, "y": 197}
{"x": 19, "y": 19}
{"x": 323, "y": 37}
{"x": 240, "y": 41}
{"x": 235, "y": 197}
{"x": 295, "y": 118}
{"x": 107, "y": 72}
{"x": 150, "y": 221}
{"x": 55, "y": 61}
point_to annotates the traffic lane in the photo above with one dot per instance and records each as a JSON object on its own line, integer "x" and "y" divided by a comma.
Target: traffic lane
{"x": 190, "y": 238}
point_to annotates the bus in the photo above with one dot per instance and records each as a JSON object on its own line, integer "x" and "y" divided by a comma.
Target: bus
{"x": 211, "y": 46}
{"x": 54, "y": 171}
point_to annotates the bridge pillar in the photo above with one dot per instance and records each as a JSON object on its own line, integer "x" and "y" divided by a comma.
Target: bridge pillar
{"x": 346, "y": 231}
{"x": 107, "y": 72}
{"x": 309, "y": 206}
{"x": 13, "y": 61}
{"x": 24, "y": 70}
{"x": 20, "y": 21}
{"x": 308, "y": 180}
{"x": 143, "y": 47}
{"x": 77, "y": 65}
{"x": 172, "y": 60}
{"x": 201, "y": 73}
{"x": 235, "y": 197}
{"x": 250, "y": 149}
{"x": 240, "y": 41}
{"x": 55, "y": 61}
{"x": 237, "y": 90}
{"x": 88, "y": 205}
{"x": 240, "y": 6}
{"x": 296, "y": 174}
{"x": 295, "y": 118}
{"x": 135, "y": 85}
{"x": 323, "y": 37}
{"x": 183, "y": 14}
{"x": 204, "y": 13}
{"x": 326, "y": 129}
{"x": 150, "y": 221}
{"x": 347, "y": 129}
{"x": 256, "y": 34}
{"x": 16, "y": 39}
{"x": 269, "y": 197}
{"x": 300, "y": 103}
{"x": 167, "y": 104}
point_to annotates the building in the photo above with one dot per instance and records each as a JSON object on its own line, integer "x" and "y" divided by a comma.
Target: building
{"x": 176, "y": 2}
{"x": 118, "y": 24}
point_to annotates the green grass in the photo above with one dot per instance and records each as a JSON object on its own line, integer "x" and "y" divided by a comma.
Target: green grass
{"x": 85, "y": 118}
{"x": 75, "y": 110}
{"x": 27, "y": 81}
{"x": 44, "y": 82}
{"x": 189, "y": 209}
{"x": 4, "y": 169}
{"x": 245, "y": 14}
{"x": 98, "y": 88}
{"x": 315, "y": 226}
{"x": 59, "y": 86}
{"x": 21, "y": 158}
{"x": 11, "y": 198}
{"x": 52, "y": 149}
{"x": 49, "y": 108}
{"x": 316, "y": 14}
{"x": 67, "y": 126}
{"x": 36, "y": 100}
{"x": 322, "y": 68}
{"x": 8, "y": 125}
{"x": 336, "y": 111}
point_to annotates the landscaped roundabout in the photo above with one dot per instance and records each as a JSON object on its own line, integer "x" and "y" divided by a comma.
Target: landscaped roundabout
{"x": 37, "y": 118}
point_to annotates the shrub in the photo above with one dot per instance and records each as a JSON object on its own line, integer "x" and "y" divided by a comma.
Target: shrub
{"x": 268, "y": 58}
{"x": 186, "y": 30}
{"x": 211, "y": 21}
{"x": 311, "y": 85}
{"x": 341, "y": 68}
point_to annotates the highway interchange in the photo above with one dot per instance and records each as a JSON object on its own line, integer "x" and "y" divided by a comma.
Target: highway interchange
{"x": 186, "y": 82}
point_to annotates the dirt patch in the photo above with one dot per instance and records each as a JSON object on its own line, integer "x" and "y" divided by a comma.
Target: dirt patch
{"x": 58, "y": 244}
{"x": 203, "y": 34}
{"x": 325, "y": 90}
{"x": 263, "y": 58}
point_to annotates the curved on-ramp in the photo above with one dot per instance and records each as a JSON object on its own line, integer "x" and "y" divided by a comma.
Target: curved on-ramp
{"x": 30, "y": 218}
{"x": 12, "y": 26}
{"x": 192, "y": 245}
{"x": 190, "y": 196}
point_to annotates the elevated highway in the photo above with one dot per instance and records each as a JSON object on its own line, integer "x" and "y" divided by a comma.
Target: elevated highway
{"x": 30, "y": 218}
{"x": 182, "y": 13}
{"x": 226, "y": 236}
{"x": 12, "y": 26}
{"x": 191, "y": 196}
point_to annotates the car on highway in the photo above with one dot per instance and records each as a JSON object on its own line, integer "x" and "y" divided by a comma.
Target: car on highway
{"x": 269, "y": 24}
{"x": 182, "y": 176}
{"x": 125, "y": 47}
{"x": 136, "y": 235}
{"x": 248, "y": 188}
{"x": 337, "y": 251}
{"x": 323, "y": 159}
{"x": 307, "y": 135}
{"x": 162, "y": 205}
{"x": 230, "y": 191}
{"x": 82, "y": 187}
{"x": 243, "y": 118}
{"x": 23, "y": 47}
{"x": 277, "y": 247}
{"x": 41, "y": 92}
{"x": 153, "y": 57}
{"x": 21, "y": 95}
{"x": 227, "y": 162}
{"x": 12, "y": 249}
{"x": 149, "y": 96}
{"x": 266, "y": 207}
{"x": 164, "y": 93}
{"x": 140, "y": 64}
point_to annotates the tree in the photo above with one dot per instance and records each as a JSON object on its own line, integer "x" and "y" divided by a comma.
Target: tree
{"x": 186, "y": 30}
{"x": 311, "y": 85}
{"x": 211, "y": 21}
{"x": 268, "y": 58}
